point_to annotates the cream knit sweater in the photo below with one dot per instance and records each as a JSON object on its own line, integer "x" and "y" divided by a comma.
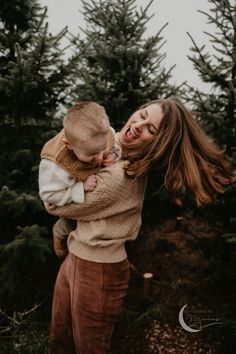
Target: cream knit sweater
{"x": 109, "y": 216}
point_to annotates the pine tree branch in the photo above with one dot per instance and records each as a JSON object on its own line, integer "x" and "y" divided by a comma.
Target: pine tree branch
{"x": 41, "y": 48}
{"x": 200, "y": 54}
{"x": 69, "y": 66}
{"x": 148, "y": 5}
{"x": 60, "y": 35}
{"x": 161, "y": 29}
{"x": 224, "y": 52}
{"x": 213, "y": 20}
{"x": 215, "y": 39}
{"x": 43, "y": 16}
{"x": 222, "y": 9}
{"x": 149, "y": 46}
{"x": 180, "y": 86}
{"x": 167, "y": 74}
{"x": 144, "y": 23}
{"x": 154, "y": 65}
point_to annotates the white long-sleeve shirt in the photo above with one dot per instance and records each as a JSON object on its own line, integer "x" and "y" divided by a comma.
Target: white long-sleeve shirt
{"x": 56, "y": 186}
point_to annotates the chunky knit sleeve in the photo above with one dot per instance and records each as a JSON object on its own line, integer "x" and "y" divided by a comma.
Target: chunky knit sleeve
{"x": 112, "y": 184}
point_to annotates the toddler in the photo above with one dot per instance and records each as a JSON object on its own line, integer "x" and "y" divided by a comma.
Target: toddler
{"x": 70, "y": 161}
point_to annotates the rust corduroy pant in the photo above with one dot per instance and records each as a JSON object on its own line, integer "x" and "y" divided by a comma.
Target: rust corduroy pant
{"x": 88, "y": 299}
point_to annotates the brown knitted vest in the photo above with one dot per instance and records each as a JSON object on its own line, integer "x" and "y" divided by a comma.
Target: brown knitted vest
{"x": 56, "y": 150}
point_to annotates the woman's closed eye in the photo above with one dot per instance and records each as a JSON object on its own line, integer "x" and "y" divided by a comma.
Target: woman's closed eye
{"x": 151, "y": 130}
{"x": 142, "y": 116}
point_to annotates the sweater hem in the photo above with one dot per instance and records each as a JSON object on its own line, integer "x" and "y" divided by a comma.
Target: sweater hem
{"x": 110, "y": 254}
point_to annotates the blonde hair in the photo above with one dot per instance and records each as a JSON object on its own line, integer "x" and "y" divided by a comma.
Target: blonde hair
{"x": 184, "y": 155}
{"x": 85, "y": 120}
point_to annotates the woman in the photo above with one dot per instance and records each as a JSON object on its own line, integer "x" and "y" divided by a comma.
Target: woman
{"x": 93, "y": 280}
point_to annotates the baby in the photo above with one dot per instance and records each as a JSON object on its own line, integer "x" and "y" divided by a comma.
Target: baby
{"x": 70, "y": 161}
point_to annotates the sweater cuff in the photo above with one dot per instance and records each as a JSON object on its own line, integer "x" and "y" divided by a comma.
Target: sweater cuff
{"x": 77, "y": 192}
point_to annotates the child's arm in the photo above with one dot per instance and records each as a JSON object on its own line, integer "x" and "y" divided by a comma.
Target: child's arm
{"x": 56, "y": 186}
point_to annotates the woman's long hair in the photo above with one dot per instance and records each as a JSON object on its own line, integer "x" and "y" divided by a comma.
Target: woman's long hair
{"x": 184, "y": 155}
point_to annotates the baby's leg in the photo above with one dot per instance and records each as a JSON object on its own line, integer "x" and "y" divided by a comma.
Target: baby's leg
{"x": 60, "y": 231}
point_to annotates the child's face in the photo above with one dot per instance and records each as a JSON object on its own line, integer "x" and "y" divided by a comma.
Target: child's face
{"x": 92, "y": 150}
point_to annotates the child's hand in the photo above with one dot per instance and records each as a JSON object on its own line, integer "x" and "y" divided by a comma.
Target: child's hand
{"x": 90, "y": 183}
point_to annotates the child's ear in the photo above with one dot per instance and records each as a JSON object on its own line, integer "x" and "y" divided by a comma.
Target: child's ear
{"x": 67, "y": 144}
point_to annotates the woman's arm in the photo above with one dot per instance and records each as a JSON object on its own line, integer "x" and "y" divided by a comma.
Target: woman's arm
{"x": 110, "y": 186}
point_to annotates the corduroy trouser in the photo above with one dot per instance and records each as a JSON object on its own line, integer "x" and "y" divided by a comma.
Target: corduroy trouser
{"x": 88, "y": 299}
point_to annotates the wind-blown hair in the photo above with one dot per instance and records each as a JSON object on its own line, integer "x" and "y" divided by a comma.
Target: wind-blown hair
{"x": 184, "y": 155}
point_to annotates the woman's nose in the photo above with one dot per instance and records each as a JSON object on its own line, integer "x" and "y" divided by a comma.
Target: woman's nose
{"x": 139, "y": 125}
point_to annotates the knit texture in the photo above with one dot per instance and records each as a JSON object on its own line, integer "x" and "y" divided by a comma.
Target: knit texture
{"x": 110, "y": 216}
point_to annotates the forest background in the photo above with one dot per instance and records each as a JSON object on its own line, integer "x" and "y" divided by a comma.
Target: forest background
{"x": 190, "y": 251}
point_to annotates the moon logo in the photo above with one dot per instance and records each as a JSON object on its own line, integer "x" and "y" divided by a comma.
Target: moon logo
{"x": 182, "y": 322}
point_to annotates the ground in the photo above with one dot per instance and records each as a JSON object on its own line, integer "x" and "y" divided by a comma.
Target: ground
{"x": 191, "y": 265}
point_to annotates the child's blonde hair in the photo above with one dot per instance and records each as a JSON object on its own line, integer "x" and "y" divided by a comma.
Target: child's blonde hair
{"x": 85, "y": 120}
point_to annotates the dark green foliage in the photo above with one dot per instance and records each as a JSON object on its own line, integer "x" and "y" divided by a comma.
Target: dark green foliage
{"x": 20, "y": 155}
{"x": 217, "y": 110}
{"x": 33, "y": 76}
{"x": 118, "y": 66}
{"x": 30, "y": 247}
{"x": 20, "y": 14}
{"x": 33, "y": 81}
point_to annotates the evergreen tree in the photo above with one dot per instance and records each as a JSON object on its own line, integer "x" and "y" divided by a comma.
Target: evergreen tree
{"x": 118, "y": 66}
{"x": 217, "y": 109}
{"x": 33, "y": 84}
{"x": 33, "y": 77}
{"x": 218, "y": 68}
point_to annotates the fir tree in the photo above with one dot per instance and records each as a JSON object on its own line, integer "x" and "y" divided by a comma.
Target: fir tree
{"x": 216, "y": 111}
{"x": 33, "y": 83}
{"x": 218, "y": 68}
{"x": 118, "y": 66}
{"x": 33, "y": 77}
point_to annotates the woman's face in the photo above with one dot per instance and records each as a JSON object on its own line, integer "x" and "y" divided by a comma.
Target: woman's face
{"x": 141, "y": 127}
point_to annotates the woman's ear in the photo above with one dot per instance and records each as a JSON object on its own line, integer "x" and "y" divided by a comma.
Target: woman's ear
{"x": 67, "y": 144}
